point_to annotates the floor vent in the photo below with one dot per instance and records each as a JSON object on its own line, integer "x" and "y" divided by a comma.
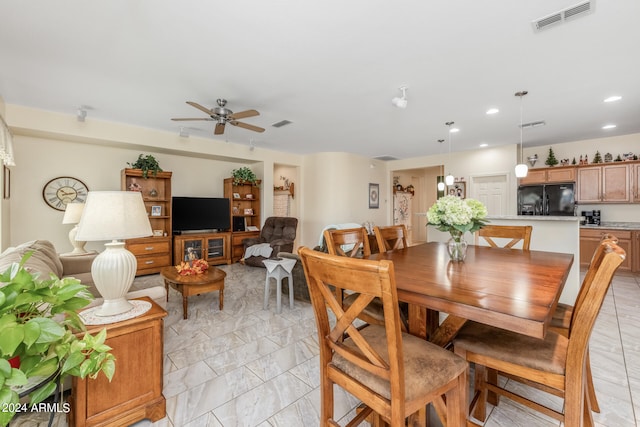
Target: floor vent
{"x": 563, "y": 15}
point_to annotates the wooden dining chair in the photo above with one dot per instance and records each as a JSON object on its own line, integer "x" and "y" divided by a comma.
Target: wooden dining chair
{"x": 348, "y": 242}
{"x": 561, "y": 322}
{"x": 556, "y": 364}
{"x": 516, "y": 233}
{"x": 394, "y": 374}
{"x": 391, "y": 237}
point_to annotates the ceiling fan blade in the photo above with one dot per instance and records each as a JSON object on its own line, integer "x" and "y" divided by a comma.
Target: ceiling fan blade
{"x": 186, "y": 119}
{"x": 219, "y": 129}
{"x": 200, "y": 107}
{"x": 244, "y": 114}
{"x": 246, "y": 126}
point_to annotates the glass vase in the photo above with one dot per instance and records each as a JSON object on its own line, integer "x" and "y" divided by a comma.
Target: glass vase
{"x": 457, "y": 246}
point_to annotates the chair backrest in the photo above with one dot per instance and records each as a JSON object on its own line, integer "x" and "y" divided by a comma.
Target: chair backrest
{"x": 369, "y": 279}
{"x": 514, "y": 232}
{"x": 347, "y": 242}
{"x": 279, "y": 227}
{"x": 606, "y": 260}
{"x": 595, "y": 258}
{"x": 391, "y": 237}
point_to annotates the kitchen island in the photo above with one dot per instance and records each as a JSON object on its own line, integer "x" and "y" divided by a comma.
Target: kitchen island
{"x": 550, "y": 234}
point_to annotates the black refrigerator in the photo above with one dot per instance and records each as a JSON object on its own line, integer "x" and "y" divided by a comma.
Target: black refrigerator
{"x": 547, "y": 199}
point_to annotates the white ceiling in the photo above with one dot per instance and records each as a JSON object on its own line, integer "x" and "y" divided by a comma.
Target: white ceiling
{"x": 331, "y": 67}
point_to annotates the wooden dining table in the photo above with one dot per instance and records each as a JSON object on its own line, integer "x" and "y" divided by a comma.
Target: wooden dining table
{"x": 510, "y": 289}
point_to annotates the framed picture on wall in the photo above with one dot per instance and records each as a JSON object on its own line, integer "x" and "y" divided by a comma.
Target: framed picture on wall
{"x": 458, "y": 189}
{"x": 374, "y": 196}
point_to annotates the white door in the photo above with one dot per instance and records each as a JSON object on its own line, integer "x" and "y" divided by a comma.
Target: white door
{"x": 492, "y": 191}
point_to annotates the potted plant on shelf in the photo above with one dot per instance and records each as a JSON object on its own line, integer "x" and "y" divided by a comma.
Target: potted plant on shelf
{"x": 39, "y": 334}
{"x": 146, "y": 164}
{"x": 244, "y": 174}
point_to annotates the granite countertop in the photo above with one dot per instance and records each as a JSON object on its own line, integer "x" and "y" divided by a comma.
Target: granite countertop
{"x": 615, "y": 225}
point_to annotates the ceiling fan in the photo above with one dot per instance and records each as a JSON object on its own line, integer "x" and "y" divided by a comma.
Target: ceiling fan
{"x": 222, "y": 115}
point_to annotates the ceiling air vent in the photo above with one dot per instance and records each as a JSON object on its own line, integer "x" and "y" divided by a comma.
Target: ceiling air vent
{"x": 533, "y": 124}
{"x": 386, "y": 158}
{"x": 563, "y": 15}
{"x": 281, "y": 123}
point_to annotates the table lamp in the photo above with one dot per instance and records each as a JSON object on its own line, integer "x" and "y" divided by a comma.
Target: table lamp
{"x": 72, "y": 215}
{"x": 113, "y": 215}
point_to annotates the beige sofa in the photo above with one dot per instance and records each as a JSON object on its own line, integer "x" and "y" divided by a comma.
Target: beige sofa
{"x": 46, "y": 260}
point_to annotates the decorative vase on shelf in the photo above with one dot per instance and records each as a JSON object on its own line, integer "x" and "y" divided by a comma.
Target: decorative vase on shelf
{"x": 457, "y": 246}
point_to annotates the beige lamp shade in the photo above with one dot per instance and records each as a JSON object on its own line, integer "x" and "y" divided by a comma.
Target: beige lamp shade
{"x": 73, "y": 213}
{"x": 114, "y": 215}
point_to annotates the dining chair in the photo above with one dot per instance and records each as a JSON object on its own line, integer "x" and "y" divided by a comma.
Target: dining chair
{"x": 347, "y": 242}
{"x": 561, "y": 321}
{"x": 393, "y": 373}
{"x": 555, "y": 364}
{"x": 516, "y": 233}
{"x": 391, "y": 237}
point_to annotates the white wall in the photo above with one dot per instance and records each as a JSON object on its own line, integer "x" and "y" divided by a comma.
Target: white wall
{"x": 337, "y": 191}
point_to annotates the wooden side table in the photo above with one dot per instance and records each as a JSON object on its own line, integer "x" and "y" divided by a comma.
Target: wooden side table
{"x": 135, "y": 393}
{"x": 196, "y": 284}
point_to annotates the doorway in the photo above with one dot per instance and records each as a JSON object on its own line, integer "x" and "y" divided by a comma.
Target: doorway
{"x": 492, "y": 191}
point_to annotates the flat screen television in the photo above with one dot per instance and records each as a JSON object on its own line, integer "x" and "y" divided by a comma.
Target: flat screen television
{"x": 200, "y": 214}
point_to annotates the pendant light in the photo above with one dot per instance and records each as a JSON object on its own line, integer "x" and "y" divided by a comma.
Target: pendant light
{"x": 521, "y": 168}
{"x": 440, "y": 181}
{"x": 449, "y": 179}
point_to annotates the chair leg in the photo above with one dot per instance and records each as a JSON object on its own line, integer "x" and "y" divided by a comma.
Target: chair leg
{"x": 591, "y": 390}
{"x": 457, "y": 401}
{"x": 480, "y": 409}
{"x": 492, "y": 378}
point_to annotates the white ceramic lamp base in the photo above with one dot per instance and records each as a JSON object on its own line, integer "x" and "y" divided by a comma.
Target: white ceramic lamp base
{"x": 78, "y": 245}
{"x": 113, "y": 271}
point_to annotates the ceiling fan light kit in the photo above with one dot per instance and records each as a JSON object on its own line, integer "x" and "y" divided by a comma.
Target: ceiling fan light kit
{"x": 402, "y": 101}
{"x": 222, "y": 115}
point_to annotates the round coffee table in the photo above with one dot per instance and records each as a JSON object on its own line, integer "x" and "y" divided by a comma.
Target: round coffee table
{"x": 209, "y": 281}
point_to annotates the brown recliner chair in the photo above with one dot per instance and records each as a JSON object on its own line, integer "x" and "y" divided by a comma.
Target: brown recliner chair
{"x": 279, "y": 232}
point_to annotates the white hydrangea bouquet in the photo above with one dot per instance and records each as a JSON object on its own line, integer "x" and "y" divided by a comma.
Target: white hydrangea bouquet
{"x": 457, "y": 216}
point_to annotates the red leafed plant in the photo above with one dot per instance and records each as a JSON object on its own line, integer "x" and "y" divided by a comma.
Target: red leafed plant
{"x": 197, "y": 266}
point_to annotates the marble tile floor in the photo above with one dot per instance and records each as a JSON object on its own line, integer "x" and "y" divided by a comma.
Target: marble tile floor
{"x": 246, "y": 366}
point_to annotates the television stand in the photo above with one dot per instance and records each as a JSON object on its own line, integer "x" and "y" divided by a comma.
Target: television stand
{"x": 213, "y": 247}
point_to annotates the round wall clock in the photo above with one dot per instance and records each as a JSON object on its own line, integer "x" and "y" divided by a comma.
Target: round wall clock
{"x": 62, "y": 190}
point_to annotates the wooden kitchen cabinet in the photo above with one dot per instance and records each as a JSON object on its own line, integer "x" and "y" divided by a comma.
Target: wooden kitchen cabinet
{"x": 135, "y": 393}
{"x": 627, "y": 240}
{"x": 609, "y": 183}
{"x": 635, "y": 185}
{"x": 550, "y": 175}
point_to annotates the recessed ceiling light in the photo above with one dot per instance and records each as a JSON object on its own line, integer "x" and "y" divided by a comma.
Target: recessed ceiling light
{"x": 608, "y": 127}
{"x": 492, "y": 111}
{"x": 454, "y": 130}
{"x": 484, "y": 144}
{"x": 613, "y": 98}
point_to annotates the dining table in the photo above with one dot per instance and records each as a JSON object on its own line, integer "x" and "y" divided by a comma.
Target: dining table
{"x": 510, "y": 289}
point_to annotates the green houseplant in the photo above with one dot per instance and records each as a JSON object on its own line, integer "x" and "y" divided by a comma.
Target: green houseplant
{"x": 39, "y": 334}
{"x": 244, "y": 174}
{"x": 146, "y": 163}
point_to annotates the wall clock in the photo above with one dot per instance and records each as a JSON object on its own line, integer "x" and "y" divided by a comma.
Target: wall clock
{"x": 62, "y": 190}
